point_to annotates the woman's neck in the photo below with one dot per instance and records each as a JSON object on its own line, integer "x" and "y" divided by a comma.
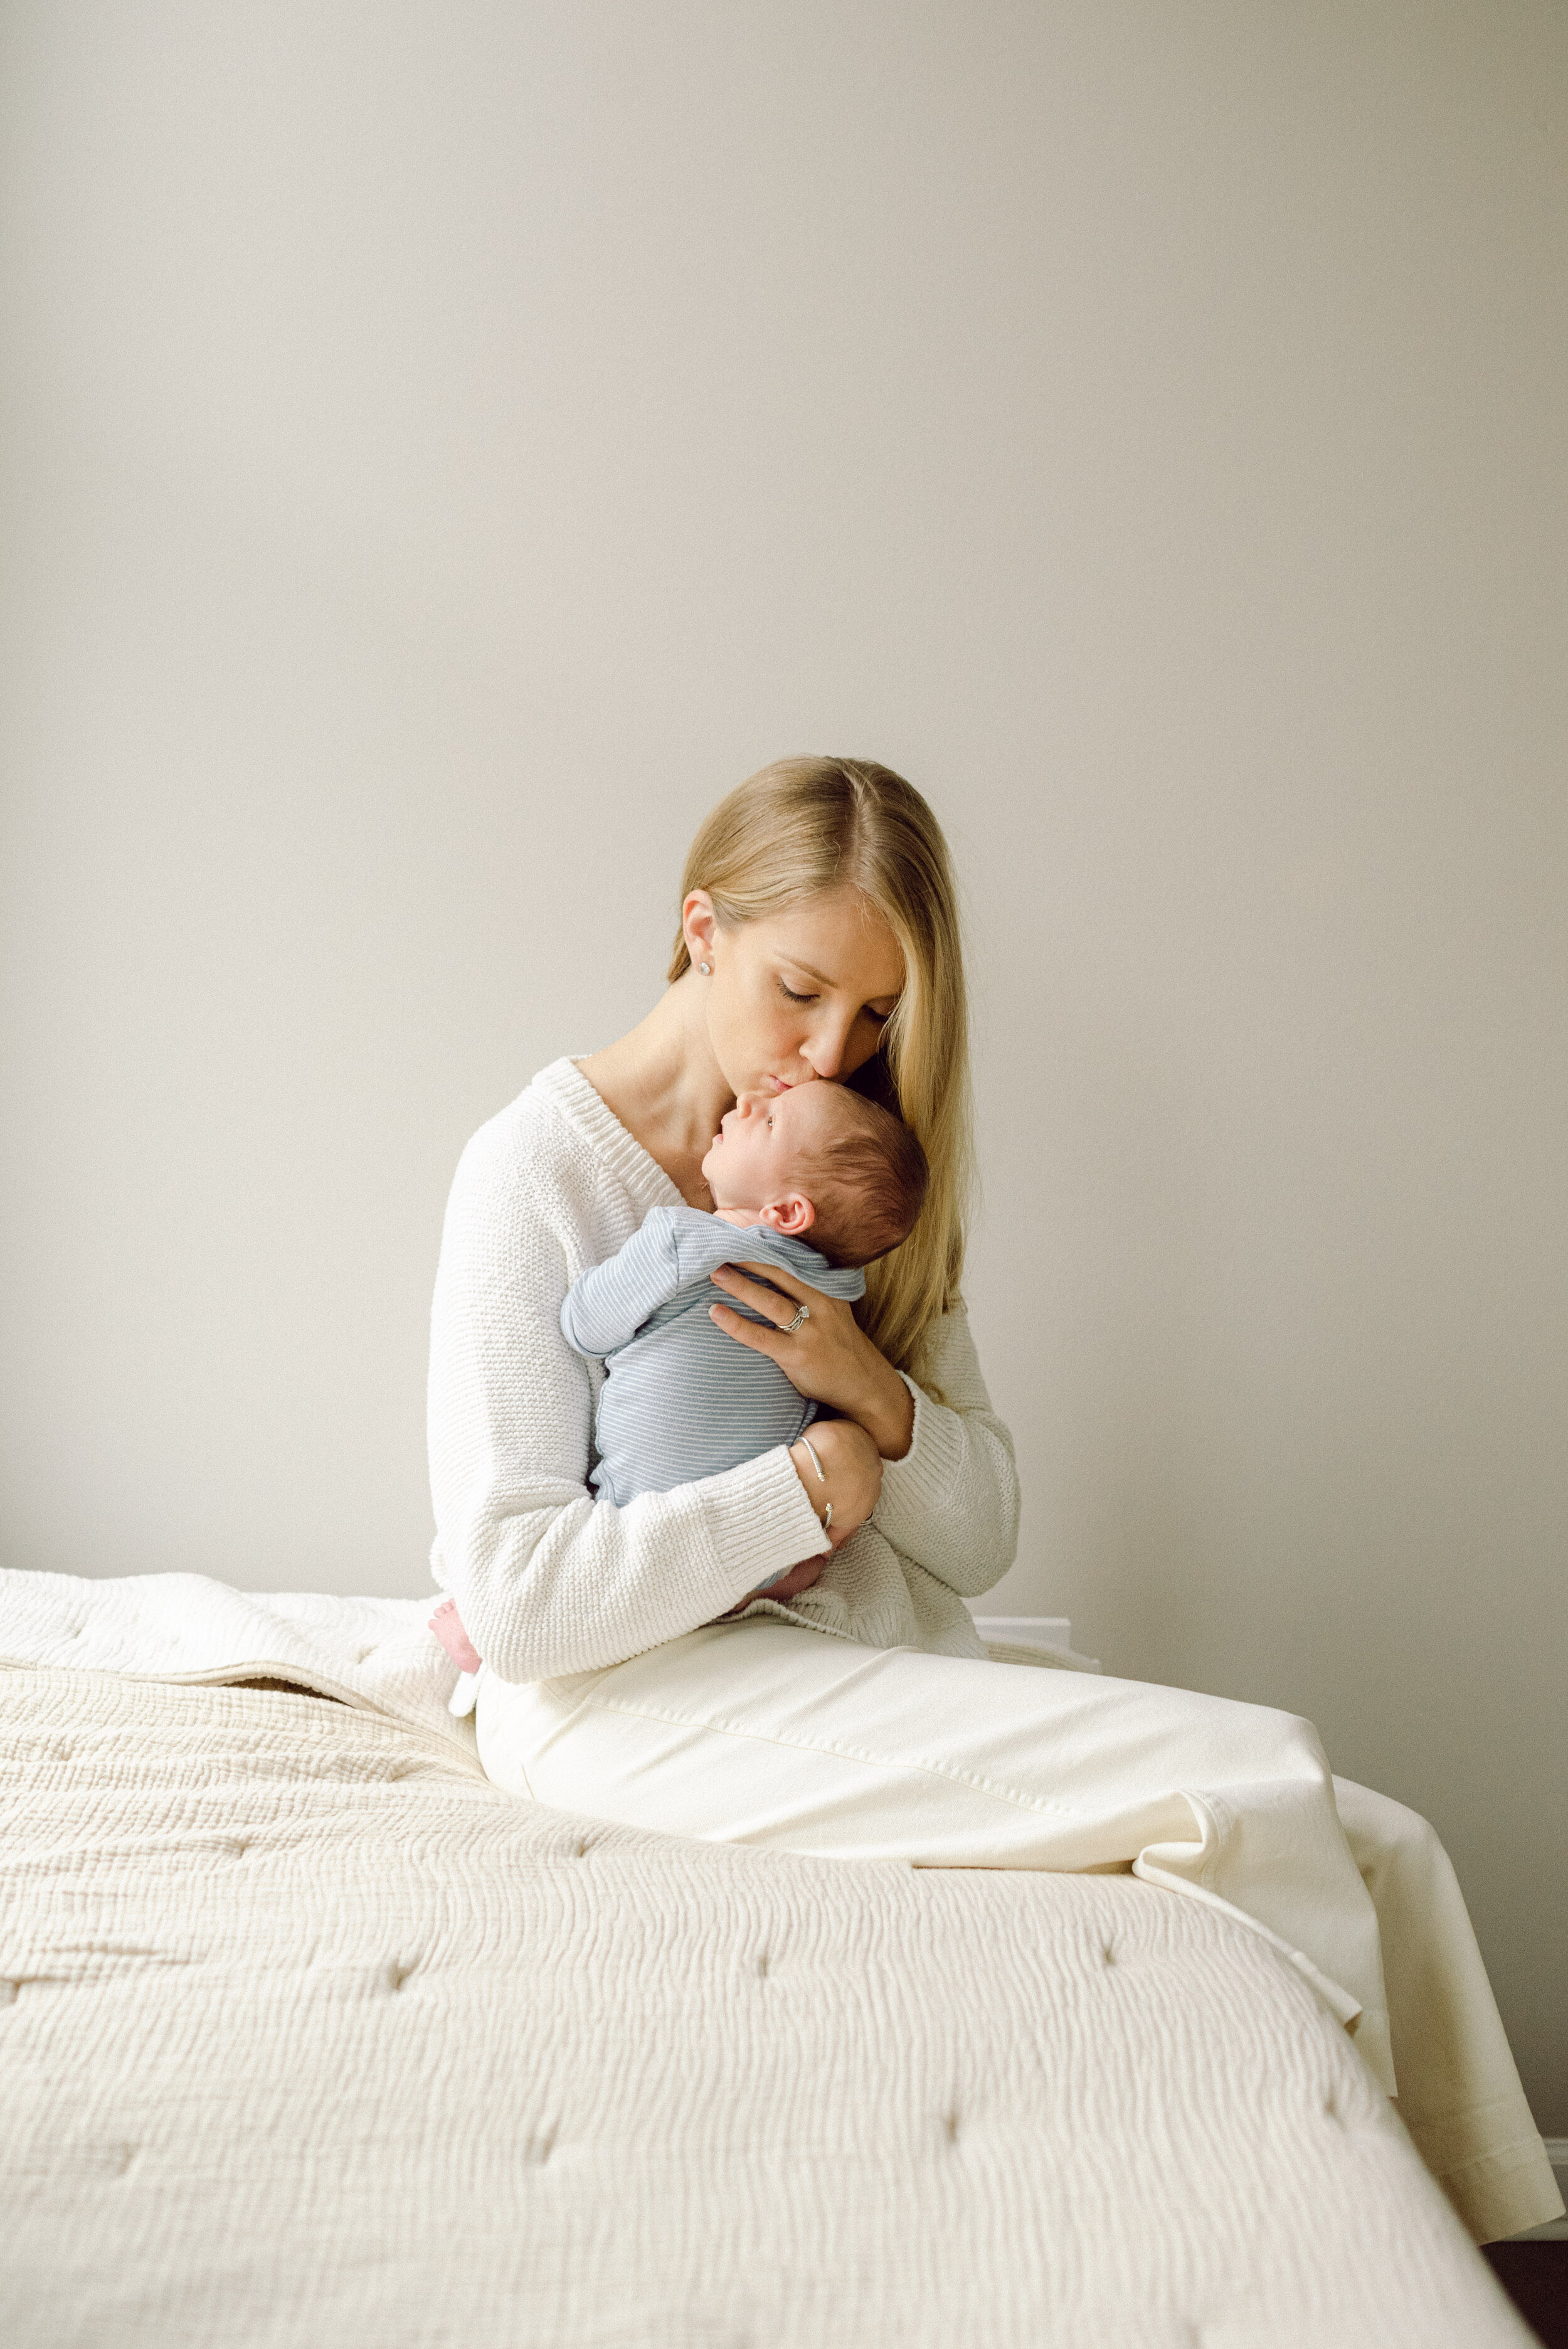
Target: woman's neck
{"x": 664, "y": 1085}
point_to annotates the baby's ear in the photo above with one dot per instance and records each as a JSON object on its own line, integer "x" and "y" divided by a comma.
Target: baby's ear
{"x": 794, "y": 1217}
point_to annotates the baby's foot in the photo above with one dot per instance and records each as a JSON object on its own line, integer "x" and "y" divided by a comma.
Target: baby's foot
{"x": 447, "y": 1625}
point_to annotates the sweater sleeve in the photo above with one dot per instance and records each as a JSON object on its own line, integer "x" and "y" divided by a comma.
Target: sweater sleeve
{"x": 547, "y": 1578}
{"x": 951, "y": 1504}
{"x": 606, "y": 1305}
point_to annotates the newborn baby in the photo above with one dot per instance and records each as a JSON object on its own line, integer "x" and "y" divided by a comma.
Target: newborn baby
{"x": 821, "y": 1182}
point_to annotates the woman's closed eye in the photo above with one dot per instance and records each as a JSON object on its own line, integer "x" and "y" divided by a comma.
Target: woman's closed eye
{"x": 868, "y": 1012}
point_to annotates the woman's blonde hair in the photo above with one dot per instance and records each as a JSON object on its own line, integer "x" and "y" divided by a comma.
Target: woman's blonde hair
{"x": 804, "y": 825}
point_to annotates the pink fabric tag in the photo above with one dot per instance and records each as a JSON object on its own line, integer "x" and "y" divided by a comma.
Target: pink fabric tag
{"x": 447, "y": 1625}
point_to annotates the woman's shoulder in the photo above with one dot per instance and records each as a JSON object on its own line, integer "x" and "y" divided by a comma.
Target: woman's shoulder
{"x": 529, "y": 1130}
{"x": 948, "y": 1364}
{"x": 949, "y": 1332}
{"x": 528, "y": 1151}
{"x": 559, "y": 1156}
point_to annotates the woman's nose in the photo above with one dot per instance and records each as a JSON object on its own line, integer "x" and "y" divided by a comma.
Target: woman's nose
{"x": 824, "y": 1052}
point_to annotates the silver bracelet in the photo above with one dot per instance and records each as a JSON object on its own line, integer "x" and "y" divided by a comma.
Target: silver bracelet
{"x": 821, "y": 1478}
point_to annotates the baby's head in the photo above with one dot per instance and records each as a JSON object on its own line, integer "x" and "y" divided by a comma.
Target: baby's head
{"x": 820, "y": 1164}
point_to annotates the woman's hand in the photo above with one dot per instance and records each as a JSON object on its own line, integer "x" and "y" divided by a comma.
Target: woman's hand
{"x": 829, "y": 1358}
{"x": 846, "y": 1474}
{"x": 850, "y": 1480}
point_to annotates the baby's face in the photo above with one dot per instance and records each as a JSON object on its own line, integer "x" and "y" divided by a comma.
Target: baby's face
{"x": 763, "y": 1143}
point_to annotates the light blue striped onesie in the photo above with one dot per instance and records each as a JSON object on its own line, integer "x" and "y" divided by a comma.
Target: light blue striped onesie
{"x": 682, "y": 1400}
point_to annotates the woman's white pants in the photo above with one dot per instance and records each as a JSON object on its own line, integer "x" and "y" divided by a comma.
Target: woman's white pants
{"x": 759, "y": 1732}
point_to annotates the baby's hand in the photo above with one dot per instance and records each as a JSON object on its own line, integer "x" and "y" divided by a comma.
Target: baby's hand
{"x": 799, "y": 1578}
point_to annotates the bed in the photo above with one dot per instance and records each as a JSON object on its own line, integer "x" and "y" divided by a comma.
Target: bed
{"x": 311, "y": 2036}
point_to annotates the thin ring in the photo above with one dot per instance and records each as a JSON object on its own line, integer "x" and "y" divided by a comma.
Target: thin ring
{"x": 828, "y": 1518}
{"x": 802, "y": 1313}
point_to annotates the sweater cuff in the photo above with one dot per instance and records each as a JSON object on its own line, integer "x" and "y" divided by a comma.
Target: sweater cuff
{"x": 921, "y": 1485}
{"x": 761, "y": 1522}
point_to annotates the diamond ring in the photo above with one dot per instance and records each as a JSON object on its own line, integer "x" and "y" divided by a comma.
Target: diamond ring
{"x": 802, "y": 1313}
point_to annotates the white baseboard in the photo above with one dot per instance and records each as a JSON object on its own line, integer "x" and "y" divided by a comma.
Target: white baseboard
{"x": 1028, "y": 1631}
{"x": 1053, "y": 1631}
{"x": 1555, "y": 2229}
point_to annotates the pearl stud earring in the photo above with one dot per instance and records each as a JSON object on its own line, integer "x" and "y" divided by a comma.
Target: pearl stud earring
{"x": 704, "y": 970}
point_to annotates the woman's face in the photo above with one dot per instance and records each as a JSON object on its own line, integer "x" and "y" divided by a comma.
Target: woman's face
{"x": 803, "y": 994}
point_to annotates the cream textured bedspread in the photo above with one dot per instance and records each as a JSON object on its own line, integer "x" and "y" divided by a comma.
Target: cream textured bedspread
{"x": 374, "y": 1653}
{"x": 309, "y": 2036}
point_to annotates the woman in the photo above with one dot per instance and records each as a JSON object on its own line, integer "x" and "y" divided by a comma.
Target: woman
{"x": 633, "y": 1669}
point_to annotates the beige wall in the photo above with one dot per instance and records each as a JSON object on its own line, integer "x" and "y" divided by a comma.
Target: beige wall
{"x": 448, "y": 445}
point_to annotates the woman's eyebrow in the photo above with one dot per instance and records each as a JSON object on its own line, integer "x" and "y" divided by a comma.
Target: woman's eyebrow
{"x": 821, "y": 977}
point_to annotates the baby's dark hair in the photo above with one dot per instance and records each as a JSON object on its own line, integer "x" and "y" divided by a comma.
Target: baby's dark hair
{"x": 867, "y": 1182}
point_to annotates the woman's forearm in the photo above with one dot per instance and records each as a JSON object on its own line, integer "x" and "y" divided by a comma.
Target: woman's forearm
{"x": 886, "y": 1408}
{"x": 570, "y": 1585}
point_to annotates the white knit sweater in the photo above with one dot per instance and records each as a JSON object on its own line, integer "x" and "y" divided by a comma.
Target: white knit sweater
{"x": 548, "y": 1580}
